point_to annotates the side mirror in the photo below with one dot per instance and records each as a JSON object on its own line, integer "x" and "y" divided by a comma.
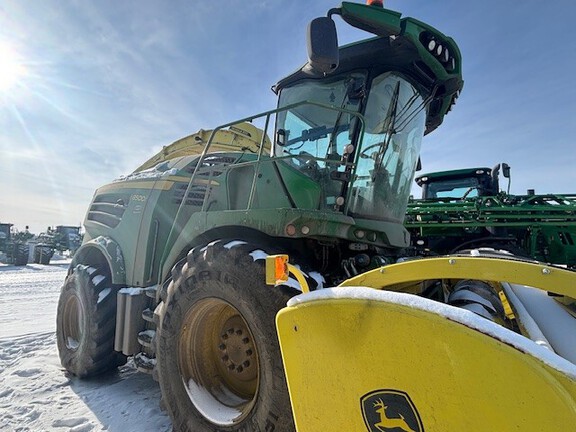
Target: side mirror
{"x": 281, "y": 137}
{"x": 323, "y": 55}
{"x": 506, "y": 170}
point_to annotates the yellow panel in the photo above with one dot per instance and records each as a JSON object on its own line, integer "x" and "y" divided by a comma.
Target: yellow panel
{"x": 364, "y": 365}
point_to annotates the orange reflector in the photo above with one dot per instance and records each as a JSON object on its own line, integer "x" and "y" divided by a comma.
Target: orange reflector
{"x": 276, "y": 269}
{"x": 377, "y": 3}
{"x": 281, "y": 268}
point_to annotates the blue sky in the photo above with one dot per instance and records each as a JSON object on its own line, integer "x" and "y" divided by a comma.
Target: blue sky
{"x": 101, "y": 86}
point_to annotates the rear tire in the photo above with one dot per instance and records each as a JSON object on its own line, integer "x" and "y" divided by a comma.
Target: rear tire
{"x": 86, "y": 323}
{"x": 21, "y": 251}
{"x": 43, "y": 254}
{"x": 219, "y": 362}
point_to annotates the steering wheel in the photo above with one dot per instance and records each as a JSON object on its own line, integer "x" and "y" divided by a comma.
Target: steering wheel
{"x": 470, "y": 189}
{"x": 364, "y": 154}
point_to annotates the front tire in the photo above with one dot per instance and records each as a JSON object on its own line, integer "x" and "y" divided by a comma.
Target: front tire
{"x": 86, "y": 323}
{"x": 21, "y": 251}
{"x": 219, "y": 362}
{"x": 43, "y": 254}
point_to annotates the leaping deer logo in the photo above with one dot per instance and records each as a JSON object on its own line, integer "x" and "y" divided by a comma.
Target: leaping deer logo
{"x": 389, "y": 410}
{"x": 387, "y": 423}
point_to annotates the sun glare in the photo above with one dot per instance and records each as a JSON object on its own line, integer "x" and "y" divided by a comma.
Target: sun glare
{"x": 11, "y": 70}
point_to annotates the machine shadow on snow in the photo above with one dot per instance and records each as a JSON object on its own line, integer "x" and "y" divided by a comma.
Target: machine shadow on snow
{"x": 120, "y": 397}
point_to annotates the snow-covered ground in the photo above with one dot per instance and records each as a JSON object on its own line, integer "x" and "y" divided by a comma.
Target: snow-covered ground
{"x": 35, "y": 392}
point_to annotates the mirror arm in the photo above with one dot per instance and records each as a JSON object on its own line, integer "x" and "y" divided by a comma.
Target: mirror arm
{"x": 334, "y": 11}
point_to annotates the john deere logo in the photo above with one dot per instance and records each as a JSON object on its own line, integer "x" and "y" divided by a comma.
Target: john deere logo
{"x": 390, "y": 411}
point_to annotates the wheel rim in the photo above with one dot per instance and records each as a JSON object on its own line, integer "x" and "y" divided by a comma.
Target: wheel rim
{"x": 218, "y": 361}
{"x": 73, "y": 318}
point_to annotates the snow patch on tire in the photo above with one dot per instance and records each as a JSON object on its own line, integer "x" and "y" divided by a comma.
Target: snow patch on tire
{"x": 104, "y": 293}
{"x": 209, "y": 407}
{"x": 258, "y": 255}
{"x": 234, "y": 243}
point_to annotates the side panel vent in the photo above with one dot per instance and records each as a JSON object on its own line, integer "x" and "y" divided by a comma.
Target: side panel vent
{"x": 195, "y": 196}
{"x": 108, "y": 209}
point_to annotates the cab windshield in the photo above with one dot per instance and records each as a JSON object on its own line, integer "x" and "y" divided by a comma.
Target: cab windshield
{"x": 456, "y": 188}
{"x": 395, "y": 119}
{"x": 311, "y": 138}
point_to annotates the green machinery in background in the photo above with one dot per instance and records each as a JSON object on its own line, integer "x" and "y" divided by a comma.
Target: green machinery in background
{"x": 62, "y": 238}
{"x": 465, "y": 208}
{"x": 14, "y": 245}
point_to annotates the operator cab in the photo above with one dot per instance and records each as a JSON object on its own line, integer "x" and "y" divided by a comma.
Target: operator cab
{"x": 356, "y": 129}
{"x": 460, "y": 184}
{"x": 368, "y": 148}
{"x": 463, "y": 183}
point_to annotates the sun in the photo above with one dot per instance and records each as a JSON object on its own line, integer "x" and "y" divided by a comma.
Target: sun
{"x": 11, "y": 70}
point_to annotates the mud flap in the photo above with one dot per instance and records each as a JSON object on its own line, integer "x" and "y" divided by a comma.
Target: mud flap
{"x": 359, "y": 359}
